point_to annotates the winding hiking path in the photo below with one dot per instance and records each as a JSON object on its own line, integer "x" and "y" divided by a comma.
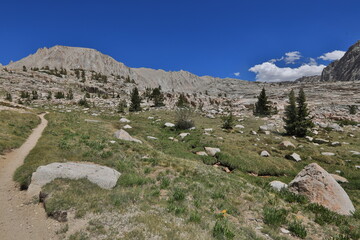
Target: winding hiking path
{"x": 20, "y": 218}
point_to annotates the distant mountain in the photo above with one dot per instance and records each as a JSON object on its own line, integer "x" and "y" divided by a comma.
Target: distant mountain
{"x": 345, "y": 69}
{"x": 93, "y": 60}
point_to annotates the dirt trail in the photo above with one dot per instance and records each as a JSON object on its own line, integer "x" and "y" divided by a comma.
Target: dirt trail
{"x": 20, "y": 218}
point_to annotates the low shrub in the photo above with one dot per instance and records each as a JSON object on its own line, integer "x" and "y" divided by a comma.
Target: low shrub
{"x": 274, "y": 217}
{"x": 297, "y": 229}
{"x": 221, "y": 230}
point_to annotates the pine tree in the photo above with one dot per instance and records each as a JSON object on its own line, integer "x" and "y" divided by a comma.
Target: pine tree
{"x": 70, "y": 95}
{"x": 291, "y": 115}
{"x": 35, "y": 95}
{"x": 182, "y": 101}
{"x": 303, "y": 120}
{"x": 8, "y": 97}
{"x": 49, "y": 96}
{"x": 135, "y": 101}
{"x": 228, "y": 121}
{"x": 158, "y": 97}
{"x": 121, "y": 106}
{"x": 262, "y": 107}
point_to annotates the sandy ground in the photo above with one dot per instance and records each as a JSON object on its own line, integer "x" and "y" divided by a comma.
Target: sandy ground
{"x": 22, "y": 218}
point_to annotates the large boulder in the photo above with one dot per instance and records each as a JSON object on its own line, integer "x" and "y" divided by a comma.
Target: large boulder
{"x": 321, "y": 188}
{"x": 102, "y": 176}
{"x": 124, "y": 135}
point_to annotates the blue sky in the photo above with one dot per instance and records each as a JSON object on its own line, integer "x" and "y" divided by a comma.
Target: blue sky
{"x": 205, "y": 37}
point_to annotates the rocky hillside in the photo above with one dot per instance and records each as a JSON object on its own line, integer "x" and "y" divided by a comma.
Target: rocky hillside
{"x": 345, "y": 69}
{"x": 93, "y": 60}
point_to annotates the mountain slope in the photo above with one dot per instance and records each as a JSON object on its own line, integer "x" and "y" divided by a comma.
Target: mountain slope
{"x": 93, "y": 60}
{"x": 345, "y": 69}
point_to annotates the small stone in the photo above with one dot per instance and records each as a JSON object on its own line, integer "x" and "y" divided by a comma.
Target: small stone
{"x": 124, "y": 120}
{"x": 265, "y": 154}
{"x": 169, "y": 124}
{"x": 212, "y": 151}
{"x": 296, "y": 157}
{"x": 287, "y": 144}
{"x": 285, "y": 231}
{"x": 201, "y": 153}
{"x": 278, "y": 185}
{"x": 328, "y": 154}
{"x": 183, "y": 135}
{"x": 152, "y": 138}
{"x": 127, "y": 127}
{"x": 339, "y": 179}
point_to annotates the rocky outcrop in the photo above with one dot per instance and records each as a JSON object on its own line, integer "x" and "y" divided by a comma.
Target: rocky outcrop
{"x": 92, "y": 60}
{"x": 345, "y": 69}
{"x": 321, "y": 188}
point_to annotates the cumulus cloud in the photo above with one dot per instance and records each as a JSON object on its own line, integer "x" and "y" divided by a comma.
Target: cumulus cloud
{"x": 269, "y": 72}
{"x": 237, "y": 74}
{"x": 292, "y": 57}
{"x": 312, "y": 62}
{"x": 331, "y": 56}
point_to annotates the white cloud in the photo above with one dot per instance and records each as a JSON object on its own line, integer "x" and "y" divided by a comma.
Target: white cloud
{"x": 237, "y": 74}
{"x": 291, "y": 57}
{"x": 269, "y": 72}
{"x": 331, "y": 56}
{"x": 312, "y": 62}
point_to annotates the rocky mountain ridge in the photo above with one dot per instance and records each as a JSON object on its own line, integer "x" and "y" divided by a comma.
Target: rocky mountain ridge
{"x": 346, "y": 68}
{"x": 93, "y": 60}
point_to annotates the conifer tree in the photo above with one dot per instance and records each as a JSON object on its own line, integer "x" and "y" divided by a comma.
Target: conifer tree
{"x": 49, "y": 96}
{"x": 8, "y": 97}
{"x": 135, "y": 101}
{"x": 182, "y": 101}
{"x": 291, "y": 115}
{"x": 262, "y": 107}
{"x": 158, "y": 97}
{"x": 228, "y": 121}
{"x": 70, "y": 95}
{"x": 303, "y": 120}
{"x": 121, "y": 106}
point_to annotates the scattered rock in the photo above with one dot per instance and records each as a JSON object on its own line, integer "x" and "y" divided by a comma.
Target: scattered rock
{"x": 310, "y": 139}
{"x": 208, "y": 129}
{"x": 285, "y": 231}
{"x": 320, "y": 141}
{"x": 355, "y": 153}
{"x": 328, "y": 154}
{"x": 127, "y": 126}
{"x": 183, "y": 135}
{"x": 335, "y": 144}
{"x": 253, "y": 133}
{"x": 212, "y": 151}
{"x": 339, "y": 179}
{"x": 287, "y": 144}
{"x": 239, "y": 126}
{"x": 278, "y": 185}
{"x": 201, "y": 153}
{"x": 296, "y": 157}
{"x": 169, "y": 124}
{"x": 123, "y": 135}
{"x": 265, "y": 154}
{"x": 321, "y": 188}
{"x": 152, "y": 138}
{"x": 124, "y": 120}
{"x": 336, "y": 127}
